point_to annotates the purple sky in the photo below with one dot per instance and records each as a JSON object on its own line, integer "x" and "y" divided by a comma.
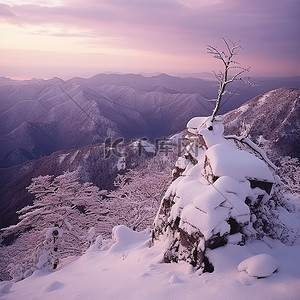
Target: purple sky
{"x": 69, "y": 38}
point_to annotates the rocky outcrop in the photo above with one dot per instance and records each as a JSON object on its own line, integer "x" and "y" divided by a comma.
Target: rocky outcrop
{"x": 209, "y": 204}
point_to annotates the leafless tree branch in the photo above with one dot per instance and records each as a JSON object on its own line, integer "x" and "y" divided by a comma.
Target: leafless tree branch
{"x": 223, "y": 77}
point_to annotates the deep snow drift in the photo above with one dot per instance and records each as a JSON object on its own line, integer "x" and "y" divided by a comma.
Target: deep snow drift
{"x": 126, "y": 268}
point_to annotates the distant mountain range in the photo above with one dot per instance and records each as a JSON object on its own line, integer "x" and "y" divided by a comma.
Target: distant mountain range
{"x": 50, "y": 126}
{"x": 39, "y": 117}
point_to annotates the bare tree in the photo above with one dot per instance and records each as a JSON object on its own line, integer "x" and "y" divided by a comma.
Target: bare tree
{"x": 232, "y": 70}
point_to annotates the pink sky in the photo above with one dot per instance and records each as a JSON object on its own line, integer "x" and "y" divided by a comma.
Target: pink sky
{"x": 66, "y": 38}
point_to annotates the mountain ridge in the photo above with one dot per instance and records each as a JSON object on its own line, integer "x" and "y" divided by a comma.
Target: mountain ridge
{"x": 273, "y": 116}
{"x": 77, "y": 112}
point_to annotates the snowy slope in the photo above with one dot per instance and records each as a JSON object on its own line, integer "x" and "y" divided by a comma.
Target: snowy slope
{"x": 129, "y": 269}
{"x": 275, "y": 116}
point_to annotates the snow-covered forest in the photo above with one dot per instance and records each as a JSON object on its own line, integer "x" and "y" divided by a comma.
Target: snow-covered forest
{"x": 78, "y": 213}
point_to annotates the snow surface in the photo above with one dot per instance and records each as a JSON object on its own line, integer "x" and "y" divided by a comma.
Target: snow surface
{"x": 243, "y": 108}
{"x": 126, "y": 268}
{"x": 225, "y": 158}
{"x": 62, "y": 157}
{"x": 198, "y": 122}
{"x": 263, "y": 98}
{"x": 239, "y": 164}
{"x": 181, "y": 163}
{"x": 261, "y": 265}
{"x": 73, "y": 157}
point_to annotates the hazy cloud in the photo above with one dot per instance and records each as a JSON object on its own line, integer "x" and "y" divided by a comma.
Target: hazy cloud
{"x": 267, "y": 28}
{"x": 6, "y": 12}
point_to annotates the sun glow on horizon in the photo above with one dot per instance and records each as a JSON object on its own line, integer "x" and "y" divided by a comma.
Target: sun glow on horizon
{"x": 42, "y": 38}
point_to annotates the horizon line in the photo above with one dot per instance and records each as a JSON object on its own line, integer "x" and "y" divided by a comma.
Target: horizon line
{"x": 197, "y": 75}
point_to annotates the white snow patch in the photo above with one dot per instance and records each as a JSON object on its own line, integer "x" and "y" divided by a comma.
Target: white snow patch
{"x": 212, "y": 133}
{"x": 62, "y": 157}
{"x": 174, "y": 279}
{"x": 91, "y": 234}
{"x": 193, "y": 219}
{"x": 235, "y": 238}
{"x": 86, "y": 156}
{"x": 53, "y": 286}
{"x": 261, "y": 265}
{"x": 239, "y": 164}
{"x": 243, "y": 108}
{"x": 175, "y": 139}
{"x": 181, "y": 163}
{"x": 261, "y": 140}
{"x": 73, "y": 157}
{"x": 96, "y": 246}
{"x": 125, "y": 238}
{"x": 197, "y": 123}
{"x": 263, "y": 99}
{"x": 197, "y": 203}
{"x": 143, "y": 144}
{"x": 148, "y": 146}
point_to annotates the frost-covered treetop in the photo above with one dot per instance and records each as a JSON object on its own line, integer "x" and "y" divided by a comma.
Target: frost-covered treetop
{"x": 224, "y": 157}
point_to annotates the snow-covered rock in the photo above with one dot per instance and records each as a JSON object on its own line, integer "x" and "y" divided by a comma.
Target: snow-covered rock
{"x": 208, "y": 201}
{"x": 261, "y": 265}
{"x": 124, "y": 238}
{"x": 226, "y": 160}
